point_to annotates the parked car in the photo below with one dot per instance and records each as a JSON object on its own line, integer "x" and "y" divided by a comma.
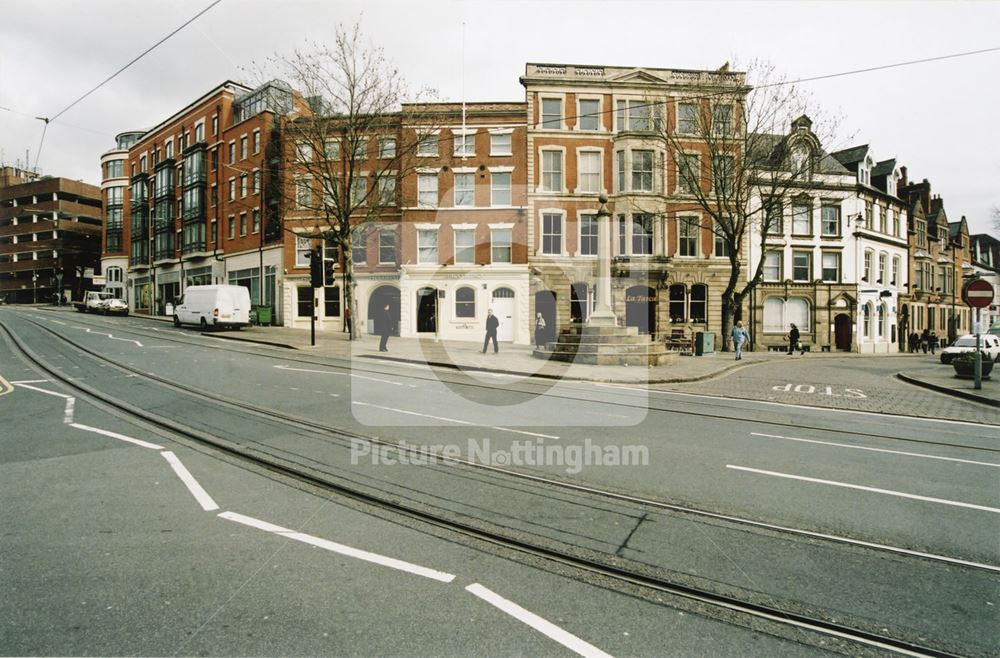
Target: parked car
{"x": 215, "y": 306}
{"x": 114, "y": 305}
{"x": 988, "y": 344}
{"x": 92, "y": 301}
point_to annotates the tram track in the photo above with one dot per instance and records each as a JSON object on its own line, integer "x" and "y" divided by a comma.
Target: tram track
{"x": 656, "y": 400}
{"x": 587, "y": 559}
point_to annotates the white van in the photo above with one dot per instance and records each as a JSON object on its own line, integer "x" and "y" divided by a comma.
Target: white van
{"x": 213, "y": 306}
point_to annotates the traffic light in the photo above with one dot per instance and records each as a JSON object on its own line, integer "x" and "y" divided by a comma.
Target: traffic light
{"x": 329, "y": 265}
{"x": 316, "y": 267}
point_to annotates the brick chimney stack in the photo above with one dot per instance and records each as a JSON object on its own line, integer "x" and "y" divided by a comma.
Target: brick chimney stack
{"x": 902, "y": 177}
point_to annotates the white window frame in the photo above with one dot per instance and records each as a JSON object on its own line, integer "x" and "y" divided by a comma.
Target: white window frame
{"x": 581, "y": 113}
{"x": 424, "y": 231}
{"x": 836, "y": 255}
{"x": 508, "y": 173}
{"x": 561, "y": 214}
{"x": 541, "y": 112}
{"x": 387, "y": 147}
{"x": 425, "y": 190}
{"x": 689, "y": 221}
{"x": 494, "y": 243}
{"x": 468, "y": 191}
{"x": 595, "y": 178}
{"x": 462, "y": 233}
{"x": 501, "y": 149}
{"x": 682, "y": 120}
{"x": 425, "y": 140}
{"x": 464, "y": 142}
{"x": 592, "y": 217}
{"x": 543, "y": 187}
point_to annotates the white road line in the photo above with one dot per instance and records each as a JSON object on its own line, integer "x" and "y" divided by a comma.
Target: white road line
{"x": 859, "y": 487}
{"x": 99, "y": 333}
{"x": 319, "y": 372}
{"x": 894, "y": 452}
{"x": 115, "y": 435}
{"x": 68, "y": 416}
{"x": 5, "y": 387}
{"x": 59, "y": 322}
{"x": 31, "y": 381}
{"x": 451, "y": 420}
{"x": 376, "y": 379}
{"x": 543, "y": 626}
{"x": 349, "y": 551}
{"x": 797, "y": 407}
{"x": 42, "y": 390}
{"x": 196, "y": 489}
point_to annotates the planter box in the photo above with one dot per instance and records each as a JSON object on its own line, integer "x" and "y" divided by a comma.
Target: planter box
{"x": 967, "y": 369}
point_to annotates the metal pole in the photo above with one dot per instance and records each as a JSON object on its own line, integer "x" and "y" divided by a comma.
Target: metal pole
{"x": 312, "y": 321}
{"x": 979, "y": 355}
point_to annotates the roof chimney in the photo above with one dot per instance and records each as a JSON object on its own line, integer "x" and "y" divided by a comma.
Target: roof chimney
{"x": 902, "y": 180}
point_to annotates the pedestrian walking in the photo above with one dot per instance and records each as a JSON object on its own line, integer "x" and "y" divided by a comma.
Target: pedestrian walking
{"x": 492, "y": 324}
{"x": 740, "y": 336}
{"x": 384, "y": 321}
{"x": 539, "y": 330}
{"x": 347, "y": 320}
{"x": 793, "y": 340}
{"x": 914, "y": 341}
{"x": 932, "y": 342}
{"x": 925, "y": 340}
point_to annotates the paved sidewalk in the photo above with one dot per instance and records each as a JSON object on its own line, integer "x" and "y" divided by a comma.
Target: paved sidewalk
{"x": 512, "y": 359}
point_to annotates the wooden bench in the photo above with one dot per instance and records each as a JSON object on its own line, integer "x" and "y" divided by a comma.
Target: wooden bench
{"x": 679, "y": 339}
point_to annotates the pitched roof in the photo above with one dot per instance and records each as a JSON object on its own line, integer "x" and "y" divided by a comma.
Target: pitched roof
{"x": 851, "y": 155}
{"x": 768, "y": 150}
{"x": 884, "y": 168}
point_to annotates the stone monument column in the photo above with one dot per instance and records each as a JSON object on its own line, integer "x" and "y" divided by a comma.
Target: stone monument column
{"x": 603, "y": 315}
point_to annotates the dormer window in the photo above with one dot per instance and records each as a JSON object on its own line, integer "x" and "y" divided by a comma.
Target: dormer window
{"x": 800, "y": 160}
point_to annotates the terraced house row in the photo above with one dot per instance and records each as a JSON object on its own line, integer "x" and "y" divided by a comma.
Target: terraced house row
{"x": 495, "y": 207}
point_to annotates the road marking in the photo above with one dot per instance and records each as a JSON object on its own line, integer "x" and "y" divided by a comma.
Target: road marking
{"x": 59, "y": 322}
{"x": 115, "y": 435}
{"x": 99, "y": 333}
{"x": 543, "y": 626}
{"x": 859, "y": 487}
{"x": 452, "y": 420}
{"x": 31, "y": 381}
{"x": 797, "y": 407}
{"x": 894, "y": 452}
{"x": 68, "y": 415}
{"x": 5, "y": 387}
{"x": 196, "y": 489}
{"x": 320, "y": 372}
{"x": 349, "y": 551}
{"x": 42, "y": 390}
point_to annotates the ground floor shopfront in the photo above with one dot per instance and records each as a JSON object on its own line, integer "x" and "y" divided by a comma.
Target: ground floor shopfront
{"x": 658, "y": 296}
{"x": 443, "y": 303}
{"x": 829, "y": 317}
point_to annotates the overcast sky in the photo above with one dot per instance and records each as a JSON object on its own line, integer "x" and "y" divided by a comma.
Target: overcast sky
{"x": 939, "y": 119}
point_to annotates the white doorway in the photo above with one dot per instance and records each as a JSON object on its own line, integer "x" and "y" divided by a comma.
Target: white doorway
{"x": 503, "y": 308}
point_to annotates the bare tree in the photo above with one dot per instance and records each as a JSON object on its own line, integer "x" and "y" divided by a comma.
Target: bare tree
{"x": 340, "y": 157}
{"x": 738, "y": 163}
{"x": 995, "y": 217}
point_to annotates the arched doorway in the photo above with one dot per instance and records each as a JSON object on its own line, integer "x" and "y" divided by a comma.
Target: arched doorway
{"x": 581, "y": 302}
{"x": 503, "y": 308}
{"x": 640, "y": 309}
{"x": 843, "y": 330}
{"x": 376, "y": 302}
{"x": 545, "y": 303}
{"x": 427, "y": 310}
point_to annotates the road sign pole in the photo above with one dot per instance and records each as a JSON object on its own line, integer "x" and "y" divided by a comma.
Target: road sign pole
{"x": 979, "y": 355}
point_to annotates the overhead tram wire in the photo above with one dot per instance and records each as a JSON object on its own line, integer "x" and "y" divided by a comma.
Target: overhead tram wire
{"x": 49, "y": 120}
{"x": 815, "y": 78}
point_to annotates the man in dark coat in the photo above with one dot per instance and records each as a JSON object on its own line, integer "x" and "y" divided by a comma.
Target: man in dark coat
{"x": 793, "y": 340}
{"x": 492, "y": 323}
{"x": 384, "y": 328}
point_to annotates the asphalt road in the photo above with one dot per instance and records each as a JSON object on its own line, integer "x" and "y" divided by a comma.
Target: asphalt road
{"x": 912, "y": 483}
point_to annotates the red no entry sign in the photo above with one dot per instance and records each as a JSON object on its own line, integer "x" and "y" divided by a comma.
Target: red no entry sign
{"x": 978, "y": 293}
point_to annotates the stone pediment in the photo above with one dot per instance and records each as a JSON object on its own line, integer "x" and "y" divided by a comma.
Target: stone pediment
{"x": 637, "y": 76}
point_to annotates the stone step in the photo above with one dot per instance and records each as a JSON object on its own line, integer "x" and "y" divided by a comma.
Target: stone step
{"x": 636, "y": 339}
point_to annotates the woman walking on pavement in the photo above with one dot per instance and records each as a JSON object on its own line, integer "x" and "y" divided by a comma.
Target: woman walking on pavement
{"x": 740, "y": 336}
{"x": 539, "y": 331}
{"x": 793, "y": 340}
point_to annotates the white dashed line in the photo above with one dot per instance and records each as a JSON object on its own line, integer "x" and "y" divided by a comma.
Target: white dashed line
{"x": 349, "y": 551}
{"x": 859, "y": 487}
{"x": 894, "y": 452}
{"x": 196, "y": 489}
{"x": 451, "y": 420}
{"x": 543, "y": 626}
{"x": 115, "y": 435}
